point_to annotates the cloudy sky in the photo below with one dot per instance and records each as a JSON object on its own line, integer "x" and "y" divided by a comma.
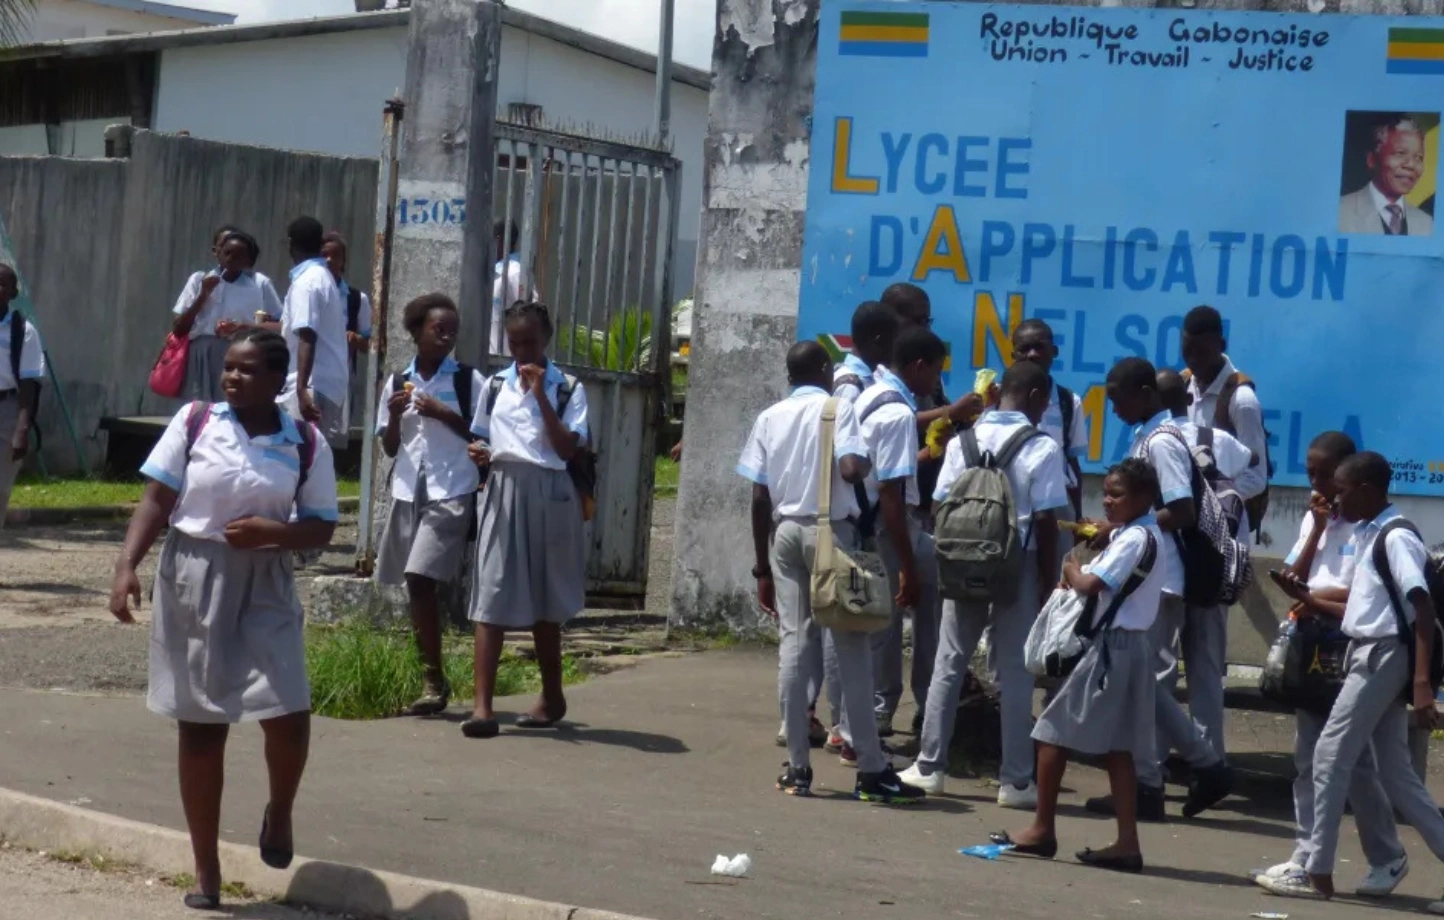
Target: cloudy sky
{"x": 633, "y": 22}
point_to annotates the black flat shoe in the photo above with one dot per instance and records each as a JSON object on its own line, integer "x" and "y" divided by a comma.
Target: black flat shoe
{"x": 480, "y": 728}
{"x": 275, "y": 857}
{"x": 197, "y": 901}
{"x": 530, "y": 721}
{"x": 1133, "y": 863}
{"x": 1045, "y": 850}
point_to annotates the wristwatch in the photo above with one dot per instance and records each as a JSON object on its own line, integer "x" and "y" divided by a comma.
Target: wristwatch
{"x": 761, "y": 572}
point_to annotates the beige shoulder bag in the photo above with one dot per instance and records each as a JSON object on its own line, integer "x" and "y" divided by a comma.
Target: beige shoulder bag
{"x": 849, "y": 590}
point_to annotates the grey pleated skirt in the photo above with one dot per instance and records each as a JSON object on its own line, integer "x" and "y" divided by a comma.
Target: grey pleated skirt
{"x": 205, "y": 361}
{"x": 530, "y": 551}
{"x": 1106, "y": 704}
{"x": 227, "y": 637}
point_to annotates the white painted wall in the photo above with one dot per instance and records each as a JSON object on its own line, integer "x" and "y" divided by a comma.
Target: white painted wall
{"x": 325, "y": 93}
{"x": 62, "y": 19}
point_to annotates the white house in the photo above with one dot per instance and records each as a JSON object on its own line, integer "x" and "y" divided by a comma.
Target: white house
{"x": 55, "y": 20}
{"x": 320, "y": 85}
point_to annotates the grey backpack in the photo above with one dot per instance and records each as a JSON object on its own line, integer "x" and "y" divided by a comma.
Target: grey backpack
{"x": 980, "y": 553}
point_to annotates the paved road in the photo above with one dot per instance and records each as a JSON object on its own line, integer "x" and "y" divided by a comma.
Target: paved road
{"x": 667, "y": 765}
{"x": 34, "y": 887}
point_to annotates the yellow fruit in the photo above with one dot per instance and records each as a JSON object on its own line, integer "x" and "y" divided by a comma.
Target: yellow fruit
{"x": 1083, "y": 530}
{"x": 937, "y": 435}
{"x": 984, "y": 380}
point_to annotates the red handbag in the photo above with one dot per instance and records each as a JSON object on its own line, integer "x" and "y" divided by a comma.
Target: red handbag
{"x": 168, "y": 376}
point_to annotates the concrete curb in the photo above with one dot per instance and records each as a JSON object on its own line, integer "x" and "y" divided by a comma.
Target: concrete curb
{"x": 49, "y": 517}
{"x": 43, "y": 824}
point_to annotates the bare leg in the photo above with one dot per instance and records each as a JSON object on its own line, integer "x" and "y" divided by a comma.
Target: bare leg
{"x": 288, "y": 744}
{"x": 487, "y": 652}
{"x": 426, "y": 625}
{"x": 547, "y": 638}
{"x": 1123, "y": 784}
{"x": 202, "y": 767}
{"x": 1052, "y": 762}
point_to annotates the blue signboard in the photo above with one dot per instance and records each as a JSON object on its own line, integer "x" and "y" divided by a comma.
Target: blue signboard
{"x": 1108, "y": 170}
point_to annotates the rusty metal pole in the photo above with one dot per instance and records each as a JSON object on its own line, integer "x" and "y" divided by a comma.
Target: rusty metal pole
{"x": 386, "y": 183}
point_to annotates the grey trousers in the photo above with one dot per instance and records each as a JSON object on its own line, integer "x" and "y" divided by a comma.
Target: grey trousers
{"x": 1374, "y": 817}
{"x": 887, "y": 645}
{"x": 800, "y": 647}
{"x": 1176, "y": 729}
{"x": 9, "y": 415}
{"x": 825, "y": 666}
{"x": 962, "y": 627}
{"x": 1203, "y": 638}
{"x": 1369, "y": 710}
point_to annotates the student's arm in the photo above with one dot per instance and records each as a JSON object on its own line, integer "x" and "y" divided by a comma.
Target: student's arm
{"x": 1327, "y": 601}
{"x": 192, "y": 300}
{"x": 1075, "y": 493}
{"x": 761, "y": 547}
{"x": 1045, "y": 528}
{"x": 848, "y": 446}
{"x": 1174, "y": 466}
{"x": 961, "y": 411}
{"x": 1424, "y": 628}
{"x": 1247, "y": 416}
{"x": 1085, "y": 583}
{"x": 305, "y": 363}
{"x": 1300, "y": 562}
{"x": 1111, "y": 569}
{"x": 1042, "y": 460}
{"x": 1177, "y": 515}
{"x": 892, "y": 503}
{"x": 156, "y": 504}
{"x": 396, "y": 403}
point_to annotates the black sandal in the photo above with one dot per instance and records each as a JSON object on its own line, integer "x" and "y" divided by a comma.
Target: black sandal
{"x": 532, "y": 722}
{"x": 195, "y": 900}
{"x": 275, "y": 857}
{"x": 1045, "y": 850}
{"x": 1131, "y": 863}
{"x": 480, "y": 728}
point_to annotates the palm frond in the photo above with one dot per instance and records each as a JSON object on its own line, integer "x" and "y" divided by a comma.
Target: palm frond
{"x": 15, "y": 16}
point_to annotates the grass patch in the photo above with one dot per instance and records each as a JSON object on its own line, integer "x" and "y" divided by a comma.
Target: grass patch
{"x": 361, "y": 672}
{"x": 668, "y": 474}
{"x": 34, "y": 492}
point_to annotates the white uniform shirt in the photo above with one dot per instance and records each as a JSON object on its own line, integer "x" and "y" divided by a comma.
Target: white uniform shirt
{"x": 1333, "y": 563}
{"x": 363, "y": 317}
{"x": 1052, "y": 426}
{"x": 237, "y": 301}
{"x": 1173, "y": 464}
{"x": 1247, "y": 417}
{"x": 783, "y": 453}
{"x": 515, "y": 429}
{"x": 428, "y": 447}
{"x": 851, "y": 366}
{"x": 1036, "y": 475}
{"x": 506, "y": 289}
{"x": 1369, "y": 613}
{"x": 32, "y": 355}
{"x": 314, "y": 302}
{"x": 1118, "y": 560}
{"x": 891, "y": 435}
{"x": 1229, "y": 455}
{"x": 231, "y": 475}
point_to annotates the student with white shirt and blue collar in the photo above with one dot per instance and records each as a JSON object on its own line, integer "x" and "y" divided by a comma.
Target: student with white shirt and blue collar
{"x": 1033, "y": 465}
{"x": 1132, "y": 387}
{"x": 1387, "y": 670}
{"x": 1316, "y": 576}
{"x": 214, "y": 305}
{"x": 20, "y": 397}
{"x": 530, "y": 551}
{"x": 1105, "y": 707}
{"x": 313, "y": 322}
{"x": 427, "y": 430}
{"x": 782, "y": 459}
{"x": 242, "y": 485}
{"x": 887, "y": 414}
{"x": 1063, "y": 420}
{"x": 1229, "y": 455}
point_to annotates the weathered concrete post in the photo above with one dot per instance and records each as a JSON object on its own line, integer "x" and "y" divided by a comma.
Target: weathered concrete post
{"x": 748, "y": 278}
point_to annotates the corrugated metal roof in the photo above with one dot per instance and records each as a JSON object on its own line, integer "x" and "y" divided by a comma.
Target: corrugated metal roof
{"x": 325, "y": 25}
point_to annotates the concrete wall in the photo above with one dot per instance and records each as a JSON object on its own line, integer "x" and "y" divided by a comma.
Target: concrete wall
{"x": 106, "y": 245}
{"x": 62, "y": 19}
{"x": 325, "y": 93}
{"x": 748, "y": 279}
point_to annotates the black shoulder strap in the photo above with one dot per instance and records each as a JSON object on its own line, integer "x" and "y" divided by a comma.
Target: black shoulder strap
{"x": 17, "y": 343}
{"x": 353, "y": 310}
{"x": 492, "y": 392}
{"x": 890, "y": 398}
{"x": 564, "y": 393}
{"x": 1010, "y": 449}
{"x": 1381, "y": 565}
{"x": 306, "y": 453}
{"x": 1065, "y": 406}
{"x": 462, "y": 381}
{"x": 1205, "y": 438}
{"x": 846, "y": 380}
{"x": 1134, "y": 581}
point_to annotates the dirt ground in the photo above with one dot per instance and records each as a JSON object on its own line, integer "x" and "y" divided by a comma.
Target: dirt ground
{"x": 56, "y": 631}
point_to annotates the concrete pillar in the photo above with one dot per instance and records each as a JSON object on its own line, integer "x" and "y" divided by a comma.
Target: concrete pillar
{"x": 442, "y": 238}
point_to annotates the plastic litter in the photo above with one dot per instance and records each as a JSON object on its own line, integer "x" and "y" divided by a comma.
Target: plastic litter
{"x": 736, "y": 867}
{"x": 1265, "y": 915}
{"x": 987, "y": 850}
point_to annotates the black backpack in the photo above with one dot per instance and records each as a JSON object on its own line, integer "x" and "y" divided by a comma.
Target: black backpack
{"x": 1396, "y": 603}
{"x": 461, "y": 381}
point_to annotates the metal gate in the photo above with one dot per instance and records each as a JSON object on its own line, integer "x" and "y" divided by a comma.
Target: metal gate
{"x": 595, "y": 221}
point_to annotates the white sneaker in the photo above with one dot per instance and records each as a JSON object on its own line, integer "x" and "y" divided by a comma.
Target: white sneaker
{"x": 931, "y": 783}
{"x": 1382, "y": 880}
{"x": 1295, "y": 885}
{"x": 1279, "y": 871}
{"x": 1025, "y": 799}
{"x": 1435, "y": 907}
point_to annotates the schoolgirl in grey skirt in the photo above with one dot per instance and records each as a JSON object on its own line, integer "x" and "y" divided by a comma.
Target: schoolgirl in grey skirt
{"x": 427, "y": 427}
{"x": 530, "y": 552}
{"x": 1105, "y": 707}
{"x": 226, "y": 628}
